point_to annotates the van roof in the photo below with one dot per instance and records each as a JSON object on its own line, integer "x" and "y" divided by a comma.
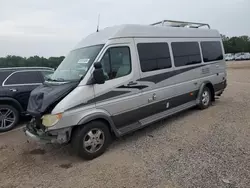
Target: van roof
{"x": 139, "y": 31}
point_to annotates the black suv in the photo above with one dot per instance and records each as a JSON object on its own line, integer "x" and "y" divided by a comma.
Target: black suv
{"x": 15, "y": 87}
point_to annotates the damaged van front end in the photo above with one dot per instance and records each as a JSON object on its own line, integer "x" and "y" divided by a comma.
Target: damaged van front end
{"x": 49, "y": 103}
{"x": 42, "y": 134}
{"x": 42, "y": 100}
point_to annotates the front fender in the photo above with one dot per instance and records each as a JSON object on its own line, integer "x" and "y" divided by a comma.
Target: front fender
{"x": 100, "y": 114}
{"x": 76, "y": 118}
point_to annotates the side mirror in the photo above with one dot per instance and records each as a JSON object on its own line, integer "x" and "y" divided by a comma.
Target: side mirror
{"x": 98, "y": 74}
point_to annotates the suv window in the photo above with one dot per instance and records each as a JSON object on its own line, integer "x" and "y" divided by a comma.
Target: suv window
{"x": 25, "y": 77}
{"x": 154, "y": 56}
{"x": 212, "y": 51}
{"x": 4, "y": 75}
{"x": 186, "y": 53}
{"x": 116, "y": 62}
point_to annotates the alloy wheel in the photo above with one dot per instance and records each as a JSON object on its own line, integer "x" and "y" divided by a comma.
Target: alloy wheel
{"x": 7, "y": 118}
{"x": 93, "y": 140}
{"x": 205, "y": 98}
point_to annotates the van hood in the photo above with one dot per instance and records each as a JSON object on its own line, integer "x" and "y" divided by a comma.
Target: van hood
{"x": 45, "y": 97}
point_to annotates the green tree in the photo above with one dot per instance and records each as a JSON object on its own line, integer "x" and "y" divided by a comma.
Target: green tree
{"x": 236, "y": 44}
{"x": 33, "y": 61}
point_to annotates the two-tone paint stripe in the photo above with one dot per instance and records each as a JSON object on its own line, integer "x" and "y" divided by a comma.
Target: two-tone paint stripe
{"x": 140, "y": 113}
{"x": 154, "y": 79}
{"x": 163, "y": 76}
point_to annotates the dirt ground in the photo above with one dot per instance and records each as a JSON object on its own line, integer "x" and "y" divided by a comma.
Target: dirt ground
{"x": 207, "y": 149}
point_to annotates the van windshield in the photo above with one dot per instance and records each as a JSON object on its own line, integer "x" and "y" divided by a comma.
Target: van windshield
{"x": 76, "y": 64}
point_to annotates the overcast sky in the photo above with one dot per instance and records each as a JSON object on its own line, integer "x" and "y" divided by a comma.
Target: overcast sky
{"x": 53, "y": 27}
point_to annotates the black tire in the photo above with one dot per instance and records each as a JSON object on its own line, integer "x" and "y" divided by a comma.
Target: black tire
{"x": 14, "y": 115}
{"x": 81, "y": 133}
{"x": 204, "y": 105}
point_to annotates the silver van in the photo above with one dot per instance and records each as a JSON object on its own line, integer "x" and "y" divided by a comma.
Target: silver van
{"x": 124, "y": 78}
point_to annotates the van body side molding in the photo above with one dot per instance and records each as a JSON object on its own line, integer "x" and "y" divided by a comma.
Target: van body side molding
{"x": 163, "y": 76}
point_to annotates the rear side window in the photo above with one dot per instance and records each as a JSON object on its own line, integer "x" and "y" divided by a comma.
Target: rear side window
{"x": 212, "y": 51}
{"x": 25, "y": 77}
{"x": 154, "y": 56}
{"x": 186, "y": 53}
{"x": 4, "y": 75}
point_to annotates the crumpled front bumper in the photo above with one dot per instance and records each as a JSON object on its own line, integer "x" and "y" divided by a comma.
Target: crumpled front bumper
{"x": 38, "y": 138}
{"x": 59, "y": 136}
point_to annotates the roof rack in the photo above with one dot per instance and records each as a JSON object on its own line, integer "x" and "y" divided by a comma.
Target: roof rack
{"x": 173, "y": 23}
{"x": 18, "y": 68}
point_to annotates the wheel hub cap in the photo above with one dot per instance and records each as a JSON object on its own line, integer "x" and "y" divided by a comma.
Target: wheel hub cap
{"x": 93, "y": 140}
{"x": 205, "y": 98}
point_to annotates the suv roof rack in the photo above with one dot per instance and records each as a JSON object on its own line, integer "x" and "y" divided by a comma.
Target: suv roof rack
{"x": 173, "y": 23}
{"x": 18, "y": 68}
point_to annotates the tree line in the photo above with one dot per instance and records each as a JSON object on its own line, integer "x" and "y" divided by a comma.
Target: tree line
{"x": 236, "y": 44}
{"x": 34, "y": 61}
{"x": 231, "y": 45}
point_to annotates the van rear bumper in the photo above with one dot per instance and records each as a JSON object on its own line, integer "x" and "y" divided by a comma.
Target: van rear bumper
{"x": 220, "y": 87}
{"x": 219, "y": 93}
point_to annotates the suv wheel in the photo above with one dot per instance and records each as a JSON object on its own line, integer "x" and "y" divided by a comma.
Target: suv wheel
{"x": 205, "y": 98}
{"x": 91, "y": 140}
{"x": 9, "y": 117}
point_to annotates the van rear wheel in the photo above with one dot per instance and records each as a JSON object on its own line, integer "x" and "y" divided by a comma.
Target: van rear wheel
{"x": 205, "y": 98}
{"x": 91, "y": 140}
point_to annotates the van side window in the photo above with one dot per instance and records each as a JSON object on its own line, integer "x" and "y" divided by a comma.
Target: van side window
{"x": 212, "y": 51}
{"x": 116, "y": 62}
{"x": 154, "y": 56}
{"x": 186, "y": 53}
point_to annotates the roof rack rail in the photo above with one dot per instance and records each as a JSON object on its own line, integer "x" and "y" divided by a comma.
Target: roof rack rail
{"x": 173, "y": 23}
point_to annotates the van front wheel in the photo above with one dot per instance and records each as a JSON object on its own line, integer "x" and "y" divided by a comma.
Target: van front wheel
{"x": 91, "y": 140}
{"x": 205, "y": 98}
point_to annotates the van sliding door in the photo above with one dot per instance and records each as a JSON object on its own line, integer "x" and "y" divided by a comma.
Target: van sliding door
{"x": 156, "y": 74}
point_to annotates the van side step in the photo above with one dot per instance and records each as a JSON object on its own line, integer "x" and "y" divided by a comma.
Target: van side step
{"x": 151, "y": 119}
{"x": 130, "y": 128}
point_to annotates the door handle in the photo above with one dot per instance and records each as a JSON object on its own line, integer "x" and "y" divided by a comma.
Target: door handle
{"x": 13, "y": 90}
{"x": 151, "y": 99}
{"x": 154, "y": 96}
{"x": 132, "y": 83}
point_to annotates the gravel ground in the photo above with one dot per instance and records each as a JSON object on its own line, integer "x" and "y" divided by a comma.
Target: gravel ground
{"x": 209, "y": 148}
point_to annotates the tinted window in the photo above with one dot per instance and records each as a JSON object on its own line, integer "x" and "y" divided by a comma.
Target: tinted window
{"x": 116, "y": 62}
{"x": 212, "y": 51}
{"x": 28, "y": 77}
{"x": 4, "y": 75}
{"x": 186, "y": 53}
{"x": 154, "y": 56}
